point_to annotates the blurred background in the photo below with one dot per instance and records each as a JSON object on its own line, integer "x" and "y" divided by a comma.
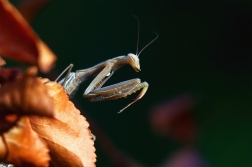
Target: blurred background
{"x": 197, "y": 111}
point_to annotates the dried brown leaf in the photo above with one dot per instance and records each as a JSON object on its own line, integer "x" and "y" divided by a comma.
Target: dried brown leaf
{"x": 9, "y": 74}
{"x": 27, "y": 95}
{"x": 68, "y": 136}
{"x": 30, "y": 8}
{"x": 2, "y": 62}
{"x": 7, "y": 122}
{"x": 21, "y": 146}
{"x": 18, "y": 41}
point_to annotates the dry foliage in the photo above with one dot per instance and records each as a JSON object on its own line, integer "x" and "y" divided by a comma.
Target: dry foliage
{"x": 19, "y": 42}
{"x": 19, "y": 144}
{"x": 26, "y": 95}
{"x": 29, "y": 8}
{"x": 2, "y": 62}
{"x": 23, "y": 96}
{"x": 67, "y": 136}
{"x": 59, "y": 133}
{"x": 23, "y": 147}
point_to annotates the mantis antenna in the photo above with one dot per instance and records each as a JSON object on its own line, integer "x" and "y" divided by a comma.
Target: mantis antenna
{"x": 138, "y": 29}
{"x": 148, "y": 44}
{"x": 138, "y": 25}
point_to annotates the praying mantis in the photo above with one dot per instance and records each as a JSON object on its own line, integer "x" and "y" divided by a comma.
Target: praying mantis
{"x": 102, "y": 72}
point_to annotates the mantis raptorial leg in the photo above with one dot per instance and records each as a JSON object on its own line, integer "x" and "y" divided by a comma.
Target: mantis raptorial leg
{"x": 102, "y": 72}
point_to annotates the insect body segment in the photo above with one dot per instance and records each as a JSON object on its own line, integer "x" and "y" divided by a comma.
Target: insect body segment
{"x": 102, "y": 72}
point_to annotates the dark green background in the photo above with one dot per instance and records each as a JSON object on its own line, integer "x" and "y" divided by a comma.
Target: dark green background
{"x": 204, "y": 47}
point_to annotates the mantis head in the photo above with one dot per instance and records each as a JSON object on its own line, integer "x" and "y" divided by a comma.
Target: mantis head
{"x": 133, "y": 60}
